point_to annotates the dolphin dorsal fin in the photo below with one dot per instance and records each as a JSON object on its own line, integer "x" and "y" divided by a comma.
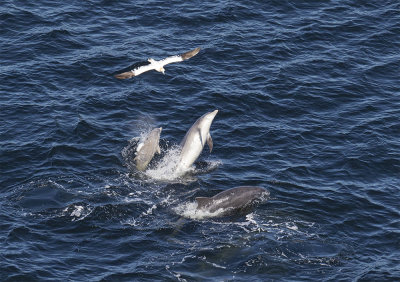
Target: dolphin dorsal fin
{"x": 202, "y": 202}
{"x": 209, "y": 142}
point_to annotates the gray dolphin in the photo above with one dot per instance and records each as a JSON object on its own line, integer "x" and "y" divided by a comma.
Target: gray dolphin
{"x": 194, "y": 141}
{"x": 235, "y": 200}
{"x": 146, "y": 150}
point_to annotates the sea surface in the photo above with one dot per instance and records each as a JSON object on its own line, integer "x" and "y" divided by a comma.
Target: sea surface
{"x": 308, "y": 94}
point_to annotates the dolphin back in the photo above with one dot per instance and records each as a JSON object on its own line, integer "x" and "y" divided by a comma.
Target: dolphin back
{"x": 194, "y": 141}
{"x": 146, "y": 152}
{"x": 203, "y": 202}
{"x": 236, "y": 200}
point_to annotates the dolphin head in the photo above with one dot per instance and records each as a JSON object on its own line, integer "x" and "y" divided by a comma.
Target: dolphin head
{"x": 158, "y": 132}
{"x": 235, "y": 201}
{"x": 212, "y": 114}
{"x": 155, "y": 133}
{"x": 209, "y": 117}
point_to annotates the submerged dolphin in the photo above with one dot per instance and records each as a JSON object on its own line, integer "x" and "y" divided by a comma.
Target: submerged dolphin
{"x": 194, "y": 141}
{"x": 146, "y": 150}
{"x": 235, "y": 200}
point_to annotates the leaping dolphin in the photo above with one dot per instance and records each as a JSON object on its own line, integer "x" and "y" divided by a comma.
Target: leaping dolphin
{"x": 236, "y": 200}
{"x": 152, "y": 64}
{"x": 146, "y": 150}
{"x": 194, "y": 141}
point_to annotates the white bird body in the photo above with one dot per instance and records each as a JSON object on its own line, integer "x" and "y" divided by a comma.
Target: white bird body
{"x": 152, "y": 64}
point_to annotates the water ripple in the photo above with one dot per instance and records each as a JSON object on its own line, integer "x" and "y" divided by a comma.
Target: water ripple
{"x": 307, "y": 93}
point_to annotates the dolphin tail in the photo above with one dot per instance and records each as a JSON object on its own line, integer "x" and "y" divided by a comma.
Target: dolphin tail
{"x": 202, "y": 202}
{"x": 210, "y": 142}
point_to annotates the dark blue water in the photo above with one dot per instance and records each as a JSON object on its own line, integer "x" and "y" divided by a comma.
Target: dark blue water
{"x": 308, "y": 94}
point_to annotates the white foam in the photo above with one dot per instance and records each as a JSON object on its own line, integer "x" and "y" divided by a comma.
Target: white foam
{"x": 131, "y": 222}
{"x": 189, "y": 210}
{"x": 176, "y": 274}
{"x": 165, "y": 168}
{"x": 292, "y": 226}
{"x": 149, "y": 210}
{"x": 204, "y": 258}
{"x": 214, "y": 165}
{"x": 77, "y": 212}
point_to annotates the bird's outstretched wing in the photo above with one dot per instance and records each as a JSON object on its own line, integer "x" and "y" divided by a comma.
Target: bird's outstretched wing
{"x": 181, "y": 57}
{"x": 190, "y": 54}
{"x": 142, "y": 67}
{"x": 133, "y": 70}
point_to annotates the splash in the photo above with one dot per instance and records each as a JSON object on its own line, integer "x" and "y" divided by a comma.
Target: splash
{"x": 189, "y": 210}
{"x": 165, "y": 169}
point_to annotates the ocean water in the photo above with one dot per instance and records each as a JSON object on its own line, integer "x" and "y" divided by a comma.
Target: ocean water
{"x": 308, "y": 94}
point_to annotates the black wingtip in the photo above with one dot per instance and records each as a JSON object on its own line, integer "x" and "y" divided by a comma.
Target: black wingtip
{"x": 124, "y": 75}
{"x": 190, "y": 54}
{"x": 127, "y": 72}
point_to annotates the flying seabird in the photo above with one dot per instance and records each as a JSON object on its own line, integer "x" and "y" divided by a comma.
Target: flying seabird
{"x": 152, "y": 64}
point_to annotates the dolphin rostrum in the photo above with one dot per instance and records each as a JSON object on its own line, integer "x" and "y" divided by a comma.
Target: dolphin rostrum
{"x": 146, "y": 150}
{"x": 235, "y": 200}
{"x": 194, "y": 141}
